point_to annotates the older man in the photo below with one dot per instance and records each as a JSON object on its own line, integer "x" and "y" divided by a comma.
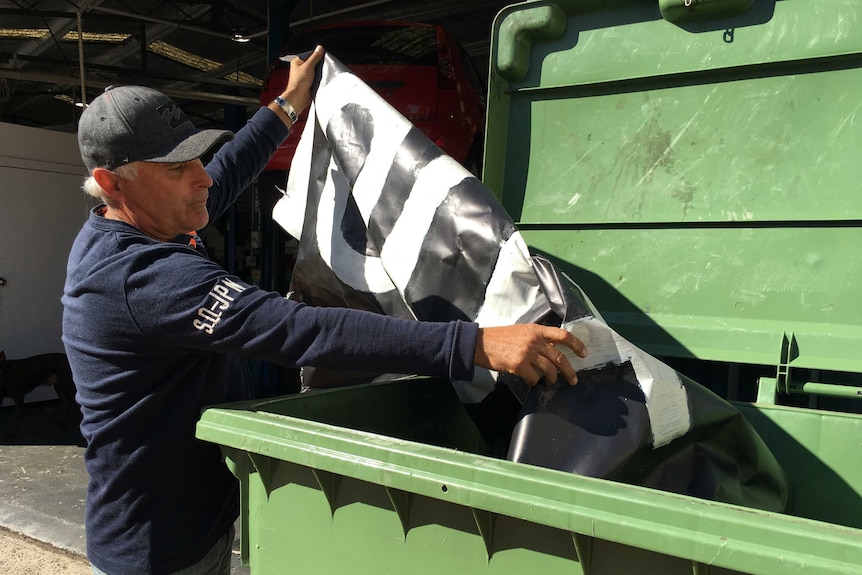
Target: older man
{"x": 152, "y": 328}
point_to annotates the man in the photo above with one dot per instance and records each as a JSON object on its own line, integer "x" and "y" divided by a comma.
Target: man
{"x": 151, "y": 327}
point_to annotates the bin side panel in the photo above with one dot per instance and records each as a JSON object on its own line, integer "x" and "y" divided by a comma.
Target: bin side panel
{"x": 293, "y": 527}
{"x": 699, "y": 180}
{"x": 821, "y": 452}
{"x": 721, "y": 150}
{"x": 724, "y": 294}
{"x": 310, "y": 490}
{"x": 625, "y": 117}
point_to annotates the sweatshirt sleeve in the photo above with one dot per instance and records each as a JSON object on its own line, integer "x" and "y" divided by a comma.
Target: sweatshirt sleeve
{"x": 181, "y": 300}
{"x": 235, "y": 165}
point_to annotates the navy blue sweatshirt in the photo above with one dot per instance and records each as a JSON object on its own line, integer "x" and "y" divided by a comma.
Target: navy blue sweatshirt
{"x": 151, "y": 330}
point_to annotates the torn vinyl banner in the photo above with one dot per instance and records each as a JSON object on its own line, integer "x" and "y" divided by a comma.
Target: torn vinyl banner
{"x": 389, "y": 223}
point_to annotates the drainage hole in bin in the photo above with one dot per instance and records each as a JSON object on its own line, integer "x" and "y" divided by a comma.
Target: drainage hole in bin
{"x": 445, "y": 489}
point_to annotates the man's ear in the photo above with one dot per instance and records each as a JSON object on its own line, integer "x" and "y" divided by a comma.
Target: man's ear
{"x": 107, "y": 180}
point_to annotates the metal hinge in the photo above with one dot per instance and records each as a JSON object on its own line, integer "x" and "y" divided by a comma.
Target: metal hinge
{"x": 789, "y": 352}
{"x": 769, "y": 388}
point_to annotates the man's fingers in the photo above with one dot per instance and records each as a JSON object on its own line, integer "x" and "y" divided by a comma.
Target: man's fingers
{"x": 550, "y": 370}
{"x": 560, "y": 336}
{"x": 556, "y": 338}
{"x": 317, "y": 55}
{"x": 529, "y": 374}
{"x": 313, "y": 58}
{"x": 544, "y": 368}
{"x": 561, "y": 364}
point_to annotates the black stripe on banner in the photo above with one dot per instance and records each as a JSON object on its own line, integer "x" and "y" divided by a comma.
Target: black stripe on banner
{"x": 414, "y": 153}
{"x": 312, "y": 279}
{"x": 353, "y": 229}
{"x": 350, "y": 133}
{"x": 459, "y": 254}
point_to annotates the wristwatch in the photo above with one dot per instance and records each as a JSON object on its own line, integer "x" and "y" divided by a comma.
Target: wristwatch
{"x": 288, "y": 109}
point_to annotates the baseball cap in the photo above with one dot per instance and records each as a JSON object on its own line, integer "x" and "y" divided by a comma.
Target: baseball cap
{"x": 127, "y": 124}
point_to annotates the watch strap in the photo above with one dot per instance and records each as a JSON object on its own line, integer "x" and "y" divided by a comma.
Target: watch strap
{"x": 288, "y": 109}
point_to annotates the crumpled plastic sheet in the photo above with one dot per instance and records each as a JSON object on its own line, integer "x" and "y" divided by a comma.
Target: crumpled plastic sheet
{"x": 387, "y": 222}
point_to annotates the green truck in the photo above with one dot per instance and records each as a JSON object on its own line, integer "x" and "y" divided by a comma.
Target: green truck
{"x": 695, "y": 166}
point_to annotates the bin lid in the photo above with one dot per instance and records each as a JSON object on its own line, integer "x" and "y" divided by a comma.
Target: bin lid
{"x": 695, "y": 166}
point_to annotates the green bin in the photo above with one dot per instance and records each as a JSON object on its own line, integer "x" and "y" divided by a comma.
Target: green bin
{"x": 694, "y": 166}
{"x": 385, "y": 478}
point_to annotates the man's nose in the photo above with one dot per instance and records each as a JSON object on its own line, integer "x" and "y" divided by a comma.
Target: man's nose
{"x": 202, "y": 175}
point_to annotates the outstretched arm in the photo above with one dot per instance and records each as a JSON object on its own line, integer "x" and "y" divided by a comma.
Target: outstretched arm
{"x": 530, "y": 351}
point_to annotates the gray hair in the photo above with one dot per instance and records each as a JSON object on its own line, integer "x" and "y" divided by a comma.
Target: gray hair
{"x": 92, "y": 187}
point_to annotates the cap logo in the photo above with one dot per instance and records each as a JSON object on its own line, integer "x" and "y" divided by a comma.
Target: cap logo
{"x": 172, "y": 113}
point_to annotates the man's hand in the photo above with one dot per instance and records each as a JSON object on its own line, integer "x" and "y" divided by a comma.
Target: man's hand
{"x": 298, "y": 89}
{"x": 529, "y": 351}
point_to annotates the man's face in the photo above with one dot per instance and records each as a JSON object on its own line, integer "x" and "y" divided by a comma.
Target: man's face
{"x": 166, "y": 200}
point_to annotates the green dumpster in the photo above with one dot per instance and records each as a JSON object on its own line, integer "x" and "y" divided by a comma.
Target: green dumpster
{"x": 693, "y": 165}
{"x": 385, "y": 478}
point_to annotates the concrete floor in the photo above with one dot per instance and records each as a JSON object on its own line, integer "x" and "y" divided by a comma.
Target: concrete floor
{"x": 43, "y": 481}
{"x": 24, "y": 556}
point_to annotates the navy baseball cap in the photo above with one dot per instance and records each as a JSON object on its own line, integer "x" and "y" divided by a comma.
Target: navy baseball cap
{"x": 133, "y": 123}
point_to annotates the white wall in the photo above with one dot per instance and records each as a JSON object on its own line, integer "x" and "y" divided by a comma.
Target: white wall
{"x": 42, "y": 208}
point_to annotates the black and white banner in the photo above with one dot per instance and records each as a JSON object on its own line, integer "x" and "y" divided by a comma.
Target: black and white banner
{"x": 389, "y": 223}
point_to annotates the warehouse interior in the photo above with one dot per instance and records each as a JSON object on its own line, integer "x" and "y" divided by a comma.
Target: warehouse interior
{"x": 206, "y": 55}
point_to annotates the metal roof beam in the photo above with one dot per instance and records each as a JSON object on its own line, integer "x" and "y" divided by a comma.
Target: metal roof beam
{"x": 74, "y": 81}
{"x": 58, "y": 28}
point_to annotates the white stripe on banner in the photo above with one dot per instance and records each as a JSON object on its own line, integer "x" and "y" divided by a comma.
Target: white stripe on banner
{"x": 404, "y": 244}
{"x": 666, "y": 397}
{"x": 390, "y": 129}
{"x": 289, "y": 211}
{"x": 513, "y": 291}
{"x": 357, "y": 270}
